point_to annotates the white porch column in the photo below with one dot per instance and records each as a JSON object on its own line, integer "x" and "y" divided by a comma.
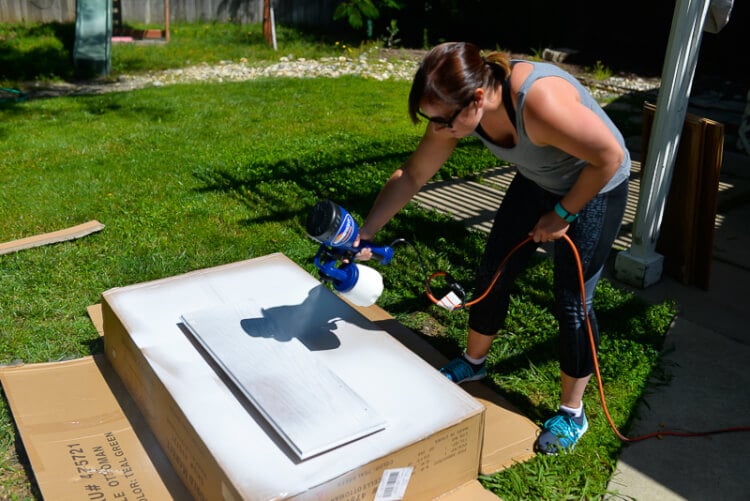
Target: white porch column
{"x": 641, "y": 265}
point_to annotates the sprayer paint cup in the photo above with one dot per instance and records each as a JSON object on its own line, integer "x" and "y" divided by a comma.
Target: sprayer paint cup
{"x": 330, "y": 224}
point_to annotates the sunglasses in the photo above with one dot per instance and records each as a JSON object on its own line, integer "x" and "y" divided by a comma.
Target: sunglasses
{"x": 444, "y": 122}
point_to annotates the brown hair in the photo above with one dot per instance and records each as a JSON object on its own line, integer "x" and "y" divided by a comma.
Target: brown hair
{"x": 452, "y": 71}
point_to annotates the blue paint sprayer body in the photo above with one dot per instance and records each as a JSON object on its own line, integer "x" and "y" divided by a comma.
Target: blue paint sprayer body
{"x": 336, "y": 230}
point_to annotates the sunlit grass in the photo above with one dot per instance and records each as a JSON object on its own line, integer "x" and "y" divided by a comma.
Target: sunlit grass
{"x": 196, "y": 175}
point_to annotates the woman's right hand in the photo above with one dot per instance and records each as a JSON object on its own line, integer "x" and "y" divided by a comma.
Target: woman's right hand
{"x": 365, "y": 253}
{"x": 433, "y": 150}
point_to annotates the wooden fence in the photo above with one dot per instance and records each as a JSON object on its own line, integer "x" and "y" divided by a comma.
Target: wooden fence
{"x": 637, "y": 36}
{"x": 13, "y": 11}
{"x": 289, "y": 12}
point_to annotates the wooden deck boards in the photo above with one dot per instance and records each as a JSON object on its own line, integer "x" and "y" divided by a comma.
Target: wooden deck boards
{"x": 475, "y": 203}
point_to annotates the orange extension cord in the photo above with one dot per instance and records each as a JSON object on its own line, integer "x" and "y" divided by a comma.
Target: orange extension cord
{"x": 622, "y": 437}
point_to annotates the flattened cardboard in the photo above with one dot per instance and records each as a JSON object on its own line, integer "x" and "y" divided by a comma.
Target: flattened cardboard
{"x": 470, "y": 491}
{"x": 50, "y": 238}
{"x": 84, "y": 436}
{"x": 95, "y": 314}
{"x": 508, "y": 438}
{"x": 223, "y": 449}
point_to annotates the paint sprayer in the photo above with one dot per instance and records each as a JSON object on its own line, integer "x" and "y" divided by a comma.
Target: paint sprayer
{"x": 336, "y": 230}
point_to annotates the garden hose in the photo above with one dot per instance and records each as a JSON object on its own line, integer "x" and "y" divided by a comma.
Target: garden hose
{"x": 461, "y": 304}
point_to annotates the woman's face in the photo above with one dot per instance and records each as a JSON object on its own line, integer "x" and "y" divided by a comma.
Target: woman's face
{"x": 455, "y": 120}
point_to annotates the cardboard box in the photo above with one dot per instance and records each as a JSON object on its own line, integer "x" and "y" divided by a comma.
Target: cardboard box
{"x": 84, "y": 401}
{"x": 224, "y": 450}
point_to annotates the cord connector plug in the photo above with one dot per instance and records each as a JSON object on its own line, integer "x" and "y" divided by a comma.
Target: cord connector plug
{"x": 455, "y": 298}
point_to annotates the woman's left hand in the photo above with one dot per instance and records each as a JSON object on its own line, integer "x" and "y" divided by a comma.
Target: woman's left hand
{"x": 549, "y": 227}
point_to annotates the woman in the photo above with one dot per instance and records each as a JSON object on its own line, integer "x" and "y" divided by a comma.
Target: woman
{"x": 572, "y": 175}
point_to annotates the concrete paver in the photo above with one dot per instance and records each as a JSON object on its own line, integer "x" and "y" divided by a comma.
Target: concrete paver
{"x": 705, "y": 360}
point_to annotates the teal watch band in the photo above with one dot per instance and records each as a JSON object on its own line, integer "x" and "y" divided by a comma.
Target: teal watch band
{"x": 567, "y": 216}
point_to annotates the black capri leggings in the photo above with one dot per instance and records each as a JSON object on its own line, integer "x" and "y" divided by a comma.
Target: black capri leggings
{"x": 593, "y": 234}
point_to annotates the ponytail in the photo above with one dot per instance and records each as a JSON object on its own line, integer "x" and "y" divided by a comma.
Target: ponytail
{"x": 499, "y": 63}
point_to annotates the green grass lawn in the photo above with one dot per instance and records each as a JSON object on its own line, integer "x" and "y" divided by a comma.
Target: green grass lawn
{"x": 192, "y": 176}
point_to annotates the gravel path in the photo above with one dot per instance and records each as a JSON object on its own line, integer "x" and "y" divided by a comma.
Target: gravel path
{"x": 368, "y": 65}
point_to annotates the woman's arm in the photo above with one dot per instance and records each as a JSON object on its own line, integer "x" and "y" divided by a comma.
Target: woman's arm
{"x": 431, "y": 153}
{"x": 555, "y": 116}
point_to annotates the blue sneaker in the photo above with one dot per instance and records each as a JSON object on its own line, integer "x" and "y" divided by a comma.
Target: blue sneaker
{"x": 459, "y": 370}
{"x": 561, "y": 432}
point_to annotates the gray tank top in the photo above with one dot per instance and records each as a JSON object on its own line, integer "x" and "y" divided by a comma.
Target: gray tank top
{"x": 549, "y": 167}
